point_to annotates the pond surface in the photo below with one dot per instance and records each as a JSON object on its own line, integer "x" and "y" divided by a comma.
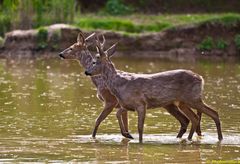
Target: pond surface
{"x": 48, "y": 110}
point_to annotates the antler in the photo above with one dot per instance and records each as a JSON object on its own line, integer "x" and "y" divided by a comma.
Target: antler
{"x": 100, "y": 45}
{"x": 90, "y": 36}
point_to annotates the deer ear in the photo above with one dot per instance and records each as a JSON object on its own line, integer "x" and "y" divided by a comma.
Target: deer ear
{"x": 80, "y": 38}
{"x": 110, "y": 52}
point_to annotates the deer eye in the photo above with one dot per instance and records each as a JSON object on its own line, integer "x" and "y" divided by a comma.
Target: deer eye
{"x": 94, "y": 62}
{"x": 71, "y": 49}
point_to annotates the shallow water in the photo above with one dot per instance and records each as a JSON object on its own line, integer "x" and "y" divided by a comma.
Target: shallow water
{"x": 48, "y": 109}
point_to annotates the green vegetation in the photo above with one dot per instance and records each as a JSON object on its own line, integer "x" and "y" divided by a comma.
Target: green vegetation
{"x": 114, "y": 15}
{"x": 49, "y": 13}
{"x": 117, "y": 24}
{"x": 136, "y": 23}
{"x": 1, "y": 41}
{"x": 116, "y": 7}
{"x": 52, "y": 12}
{"x": 226, "y": 20}
{"x": 237, "y": 41}
{"x": 27, "y": 14}
{"x": 46, "y": 40}
{"x": 207, "y": 44}
{"x": 5, "y": 24}
{"x": 42, "y": 37}
{"x": 55, "y": 38}
{"x": 221, "y": 44}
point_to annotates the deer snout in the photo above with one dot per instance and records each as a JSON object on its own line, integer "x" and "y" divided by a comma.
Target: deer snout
{"x": 61, "y": 55}
{"x": 87, "y": 73}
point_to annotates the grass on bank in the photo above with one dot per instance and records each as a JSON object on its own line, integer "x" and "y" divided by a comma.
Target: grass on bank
{"x": 134, "y": 23}
{"x": 138, "y": 23}
{"x": 1, "y": 41}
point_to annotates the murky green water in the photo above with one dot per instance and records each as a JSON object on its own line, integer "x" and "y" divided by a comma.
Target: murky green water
{"x": 48, "y": 109}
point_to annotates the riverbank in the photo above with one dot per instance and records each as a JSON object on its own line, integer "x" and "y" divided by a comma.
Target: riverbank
{"x": 184, "y": 38}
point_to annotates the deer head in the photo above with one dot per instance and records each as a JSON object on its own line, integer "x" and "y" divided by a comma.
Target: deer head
{"x": 81, "y": 44}
{"x": 101, "y": 59}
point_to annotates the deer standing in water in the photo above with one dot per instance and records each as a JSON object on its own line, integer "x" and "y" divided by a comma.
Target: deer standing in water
{"x": 79, "y": 51}
{"x": 138, "y": 92}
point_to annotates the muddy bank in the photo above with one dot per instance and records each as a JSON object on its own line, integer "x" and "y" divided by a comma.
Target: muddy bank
{"x": 179, "y": 44}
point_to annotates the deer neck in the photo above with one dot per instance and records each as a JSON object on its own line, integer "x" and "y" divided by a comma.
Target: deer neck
{"x": 111, "y": 77}
{"x": 85, "y": 58}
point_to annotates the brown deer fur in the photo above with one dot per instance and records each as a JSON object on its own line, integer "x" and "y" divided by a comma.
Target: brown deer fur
{"x": 144, "y": 91}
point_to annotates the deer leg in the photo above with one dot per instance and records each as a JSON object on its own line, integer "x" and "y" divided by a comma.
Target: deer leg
{"x": 199, "y": 114}
{"x": 191, "y": 116}
{"x": 125, "y": 120}
{"x": 141, "y": 118}
{"x": 121, "y": 125}
{"x": 184, "y": 121}
{"x": 202, "y": 107}
{"x": 198, "y": 130}
{"x": 108, "y": 108}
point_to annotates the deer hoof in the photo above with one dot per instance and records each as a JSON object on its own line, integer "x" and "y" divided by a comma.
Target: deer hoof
{"x": 199, "y": 133}
{"x": 128, "y": 135}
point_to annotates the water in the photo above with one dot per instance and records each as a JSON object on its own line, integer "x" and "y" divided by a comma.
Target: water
{"x": 48, "y": 109}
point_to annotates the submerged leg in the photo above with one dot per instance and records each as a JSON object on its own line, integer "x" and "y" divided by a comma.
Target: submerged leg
{"x": 125, "y": 133}
{"x": 141, "y": 118}
{"x": 198, "y": 130}
{"x": 191, "y": 116}
{"x": 202, "y": 107}
{"x": 184, "y": 121}
{"x": 108, "y": 108}
{"x": 125, "y": 121}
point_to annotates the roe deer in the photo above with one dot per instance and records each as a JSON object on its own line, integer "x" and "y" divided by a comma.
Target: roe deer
{"x": 79, "y": 51}
{"x": 143, "y": 91}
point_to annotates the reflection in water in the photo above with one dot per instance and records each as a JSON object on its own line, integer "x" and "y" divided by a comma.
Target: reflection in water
{"x": 82, "y": 148}
{"x": 48, "y": 109}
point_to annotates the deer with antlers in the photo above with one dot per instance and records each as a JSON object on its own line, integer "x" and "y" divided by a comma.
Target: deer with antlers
{"x": 79, "y": 51}
{"x": 138, "y": 92}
